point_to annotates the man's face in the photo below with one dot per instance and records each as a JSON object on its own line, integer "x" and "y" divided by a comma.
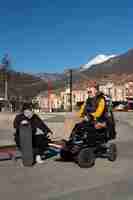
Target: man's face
{"x": 28, "y": 113}
{"x": 92, "y": 92}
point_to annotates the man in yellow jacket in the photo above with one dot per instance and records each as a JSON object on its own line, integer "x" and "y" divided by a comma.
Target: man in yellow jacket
{"x": 95, "y": 106}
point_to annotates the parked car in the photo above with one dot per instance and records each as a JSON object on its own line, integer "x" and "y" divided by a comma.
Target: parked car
{"x": 121, "y": 107}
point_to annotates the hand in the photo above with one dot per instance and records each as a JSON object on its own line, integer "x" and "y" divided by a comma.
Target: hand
{"x": 24, "y": 122}
{"x": 86, "y": 118}
{"x": 99, "y": 125}
{"x": 89, "y": 117}
{"x": 50, "y": 132}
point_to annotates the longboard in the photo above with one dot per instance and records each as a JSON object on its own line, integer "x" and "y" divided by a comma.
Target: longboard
{"x": 26, "y": 144}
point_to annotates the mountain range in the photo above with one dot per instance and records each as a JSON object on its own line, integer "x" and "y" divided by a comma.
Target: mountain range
{"x": 21, "y": 85}
{"x": 99, "y": 67}
{"x": 49, "y": 76}
{"x": 102, "y": 67}
{"x": 122, "y": 64}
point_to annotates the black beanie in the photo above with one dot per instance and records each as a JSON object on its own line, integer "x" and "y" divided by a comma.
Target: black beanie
{"x": 27, "y": 106}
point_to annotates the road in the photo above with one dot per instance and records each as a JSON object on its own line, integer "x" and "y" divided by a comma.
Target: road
{"x": 65, "y": 181}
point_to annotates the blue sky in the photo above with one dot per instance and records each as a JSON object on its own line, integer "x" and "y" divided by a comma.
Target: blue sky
{"x": 52, "y": 35}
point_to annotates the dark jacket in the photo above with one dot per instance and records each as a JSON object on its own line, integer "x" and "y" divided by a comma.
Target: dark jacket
{"x": 35, "y": 123}
{"x": 92, "y": 107}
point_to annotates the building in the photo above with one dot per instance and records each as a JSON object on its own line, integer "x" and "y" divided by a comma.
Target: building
{"x": 77, "y": 96}
{"x": 116, "y": 91}
{"x": 129, "y": 89}
{"x": 53, "y": 102}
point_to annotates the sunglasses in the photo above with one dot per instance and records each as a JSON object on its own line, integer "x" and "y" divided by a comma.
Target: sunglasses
{"x": 89, "y": 91}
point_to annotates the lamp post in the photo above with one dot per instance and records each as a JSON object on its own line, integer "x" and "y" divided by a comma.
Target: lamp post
{"x": 69, "y": 77}
{"x": 49, "y": 96}
{"x": 6, "y": 88}
{"x": 70, "y": 85}
{"x": 5, "y": 66}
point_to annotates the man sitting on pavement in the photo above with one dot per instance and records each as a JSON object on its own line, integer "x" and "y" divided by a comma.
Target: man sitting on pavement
{"x": 39, "y": 130}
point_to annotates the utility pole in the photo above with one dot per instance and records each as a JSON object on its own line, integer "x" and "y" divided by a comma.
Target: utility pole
{"x": 70, "y": 85}
{"x": 49, "y": 95}
{"x": 5, "y": 65}
{"x": 69, "y": 77}
{"x": 6, "y": 88}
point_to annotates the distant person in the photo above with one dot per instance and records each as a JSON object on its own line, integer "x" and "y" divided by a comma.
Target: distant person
{"x": 40, "y": 130}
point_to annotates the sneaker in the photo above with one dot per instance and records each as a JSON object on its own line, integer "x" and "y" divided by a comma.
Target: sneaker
{"x": 39, "y": 160}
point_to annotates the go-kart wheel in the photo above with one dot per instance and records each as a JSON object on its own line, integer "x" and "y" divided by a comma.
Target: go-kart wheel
{"x": 112, "y": 153}
{"x": 86, "y": 158}
{"x": 65, "y": 155}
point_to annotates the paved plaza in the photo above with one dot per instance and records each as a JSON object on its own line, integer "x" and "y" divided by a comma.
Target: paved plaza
{"x": 66, "y": 181}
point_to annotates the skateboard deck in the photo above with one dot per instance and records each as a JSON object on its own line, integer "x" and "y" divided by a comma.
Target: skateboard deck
{"x": 26, "y": 144}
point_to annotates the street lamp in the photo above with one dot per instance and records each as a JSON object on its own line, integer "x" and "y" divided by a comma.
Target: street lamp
{"x": 49, "y": 96}
{"x": 5, "y": 67}
{"x": 70, "y": 83}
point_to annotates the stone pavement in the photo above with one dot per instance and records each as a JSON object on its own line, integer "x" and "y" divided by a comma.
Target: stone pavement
{"x": 66, "y": 181}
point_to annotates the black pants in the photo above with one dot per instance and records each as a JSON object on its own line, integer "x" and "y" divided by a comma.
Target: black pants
{"x": 39, "y": 143}
{"x": 82, "y": 127}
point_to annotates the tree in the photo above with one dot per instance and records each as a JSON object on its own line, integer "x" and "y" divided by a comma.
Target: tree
{"x": 5, "y": 62}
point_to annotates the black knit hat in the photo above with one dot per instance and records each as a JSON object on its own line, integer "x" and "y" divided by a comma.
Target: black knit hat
{"x": 27, "y": 106}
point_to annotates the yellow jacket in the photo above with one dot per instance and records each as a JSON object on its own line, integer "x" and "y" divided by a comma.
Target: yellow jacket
{"x": 99, "y": 110}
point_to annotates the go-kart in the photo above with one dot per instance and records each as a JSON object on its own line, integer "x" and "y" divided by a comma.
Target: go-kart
{"x": 85, "y": 146}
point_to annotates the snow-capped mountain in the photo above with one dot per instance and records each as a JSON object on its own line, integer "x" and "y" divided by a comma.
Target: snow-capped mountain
{"x": 101, "y": 58}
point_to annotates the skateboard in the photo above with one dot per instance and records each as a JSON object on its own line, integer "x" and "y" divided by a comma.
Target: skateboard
{"x": 26, "y": 143}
